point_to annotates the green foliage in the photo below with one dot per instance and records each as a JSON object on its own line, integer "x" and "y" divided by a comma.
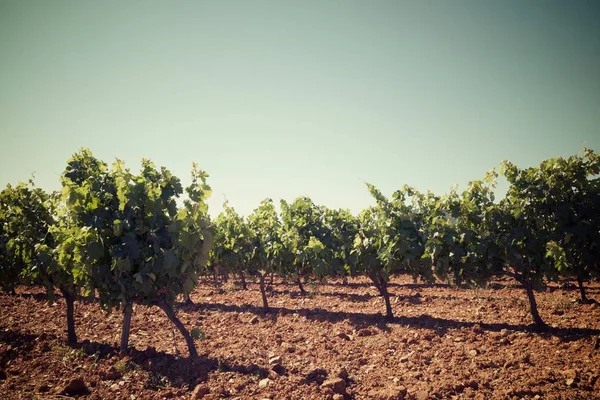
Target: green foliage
{"x": 233, "y": 242}
{"x": 461, "y": 235}
{"x": 123, "y": 236}
{"x": 571, "y": 205}
{"x": 127, "y": 233}
{"x": 197, "y": 334}
{"x": 25, "y": 220}
{"x": 303, "y": 235}
{"x": 342, "y": 228}
{"x": 267, "y": 253}
{"x": 390, "y": 239}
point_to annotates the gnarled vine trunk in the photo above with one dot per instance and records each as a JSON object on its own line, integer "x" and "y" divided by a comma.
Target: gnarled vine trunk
{"x": 299, "y": 282}
{"x": 381, "y": 284}
{"x": 168, "y": 309}
{"x": 584, "y": 299}
{"x": 243, "y": 280}
{"x": 263, "y": 292}
{"x": 127, "y": 313}
{"x": 70, "y": 300}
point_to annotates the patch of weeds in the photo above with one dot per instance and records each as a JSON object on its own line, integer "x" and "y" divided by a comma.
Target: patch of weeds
{"x": 125, "y": 365}
{"x": 197, "y": 334}
{"x": 68, "y": 353}
{"x": 157, "y": 381}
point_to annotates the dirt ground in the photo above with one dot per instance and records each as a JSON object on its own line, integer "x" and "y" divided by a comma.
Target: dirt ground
{"x": 333, "y": 343}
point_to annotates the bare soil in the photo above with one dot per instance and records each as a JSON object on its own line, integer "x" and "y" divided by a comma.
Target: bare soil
{"x": 333, "y": 343}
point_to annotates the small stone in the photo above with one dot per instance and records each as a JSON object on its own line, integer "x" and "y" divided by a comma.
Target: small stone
{"x": 421, "y": 395}
{"x": 343, "y": 335}
{"x": 114, "y": 386}
{"x": 264, "y": 383}
{"x": 253, "y": 320}
{"x": 200, "y": 391}
{"x": 337, "y": 385}
{"x": 504, "y": 333}
{"x": 275, "y": 360}
{"x": 473, "y": 353}
{"x": 406, "y": 357}
{"x": 570, "y": 374}
{"x": 338, "y": 396}
{"x": 570, "y": 382}
{"x": 75, "y": 387}
{"x": 458, "y": 339}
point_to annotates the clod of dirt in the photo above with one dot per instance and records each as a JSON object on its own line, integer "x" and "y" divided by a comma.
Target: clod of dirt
{"x": 342, "y": 373}
{"x": 44, "y": 347}
{"x": 316, "y": 375}
{"x": 43, "y": 388}
{"x": 200, "y": 391}
{"x": 110, "y": 375}
{"x": 290, "y": 348}
{"x": 477, "y": 329}
{"x": 343, "y": 335}
{"x": 337, "y": 385}
{"x": 389, "y": 394}
{"x": 366, "y": 332}
{"x": 279, "y": 369}
{"x": 76, "y": 387}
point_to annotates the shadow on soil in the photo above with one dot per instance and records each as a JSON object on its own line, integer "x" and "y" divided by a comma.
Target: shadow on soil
{"x": 164, "y": 369}
{"x": 364, "y": 320}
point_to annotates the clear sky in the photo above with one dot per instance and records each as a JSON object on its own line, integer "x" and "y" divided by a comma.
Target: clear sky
{"x": 286, "y": 98}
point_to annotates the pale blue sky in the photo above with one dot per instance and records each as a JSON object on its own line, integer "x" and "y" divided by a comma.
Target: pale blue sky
{"x": 286, "y": 98}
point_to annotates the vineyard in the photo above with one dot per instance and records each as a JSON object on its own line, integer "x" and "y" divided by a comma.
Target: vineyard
{"x": 123, "y": 283}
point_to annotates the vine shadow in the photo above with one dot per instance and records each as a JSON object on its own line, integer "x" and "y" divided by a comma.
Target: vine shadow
{"x": 177, "y": 371}
{"x": 361, "y": 320}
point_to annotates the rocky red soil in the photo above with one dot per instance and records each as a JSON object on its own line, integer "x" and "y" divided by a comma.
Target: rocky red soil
{"x": 445, "y": 343}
